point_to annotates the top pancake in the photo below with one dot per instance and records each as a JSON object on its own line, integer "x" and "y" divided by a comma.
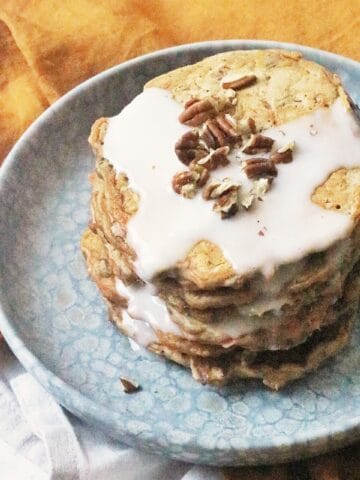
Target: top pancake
{"x": 288, "y": 87}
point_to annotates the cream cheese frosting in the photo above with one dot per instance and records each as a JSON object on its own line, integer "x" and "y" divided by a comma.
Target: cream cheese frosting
{"x": 140, "y": 142}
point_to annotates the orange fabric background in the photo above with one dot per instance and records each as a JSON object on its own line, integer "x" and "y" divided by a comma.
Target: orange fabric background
{"x": 47, "y": 47}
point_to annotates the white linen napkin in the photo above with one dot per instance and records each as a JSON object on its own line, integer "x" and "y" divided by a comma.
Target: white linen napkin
{"x": 41, "y": 441}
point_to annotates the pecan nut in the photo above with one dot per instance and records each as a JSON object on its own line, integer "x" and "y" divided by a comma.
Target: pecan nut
{"x": 201, "y": 174}
{"x": 284, "y": 154}
{"x": 240, "y": 83}
{"x": 216, "y": 189}
{"x": 258, "y": 143}
{"x": 215, "y": 159}
{"x": 129, "y": 386}
{"x": 228, "y": 203}
{"x": 220, "y": 131}
{"x": 257, "y": 191}
{"x": 260, "y": 167}
{"x": 251, "y": 124}
{"x": 187, "y": 183}
{"x": 187, "y": 148}
{"x": 196, "y": 112}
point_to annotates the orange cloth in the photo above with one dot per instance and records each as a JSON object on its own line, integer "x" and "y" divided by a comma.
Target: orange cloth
{"x": 55, "y": 45}
{"x": 332, "y": 25}
{"x": 20, "y": 98}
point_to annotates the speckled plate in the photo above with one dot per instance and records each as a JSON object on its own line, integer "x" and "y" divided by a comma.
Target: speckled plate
{"x": 55, "y": 321}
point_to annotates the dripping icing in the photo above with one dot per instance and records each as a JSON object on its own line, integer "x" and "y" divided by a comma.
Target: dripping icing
{"x": 166, "y": 225}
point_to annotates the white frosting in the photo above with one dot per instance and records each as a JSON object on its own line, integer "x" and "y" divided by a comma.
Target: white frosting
{"x": 147, "y": 313}
{"x": 264, "y": 304}
{"x": 145, "y": 307}
{"x": 139, "y": 330}
{"x": 140, "y": 142}
{"x": 135, "y": 347}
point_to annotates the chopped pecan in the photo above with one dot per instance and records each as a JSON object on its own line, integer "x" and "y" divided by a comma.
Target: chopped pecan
{"x": 216, "y": 189}
{"x": 129, "y": 386}
{"x": 258, "y": 143}
{"x": 220, "y": 131}
{"x": 261, "y": 186}
{"x": 227, "y": 204}
{"x": 196, "y": 112}
{"x": 187, "y": 148}
{"x": 284, "y": 154}
{"x": 215, "y": 159}
{"x": 260, "y": 167}
{"x": 184, "y": 183}
{"x": 240, "y": 83}
{"x": 201, "y": 174}
{"x": 252, "y": 125}
{"x": 187, "y": 183}
{"x": 258, "y": 190}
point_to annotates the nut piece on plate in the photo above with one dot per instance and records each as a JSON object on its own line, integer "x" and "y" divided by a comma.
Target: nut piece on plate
{"x": 129, "y": 386}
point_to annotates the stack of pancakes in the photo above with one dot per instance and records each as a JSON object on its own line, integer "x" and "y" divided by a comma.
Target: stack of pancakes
{"x": 229, "y": 325}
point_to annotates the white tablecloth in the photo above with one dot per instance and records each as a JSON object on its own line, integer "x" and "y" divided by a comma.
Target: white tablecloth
{"x": 40, "y": 441}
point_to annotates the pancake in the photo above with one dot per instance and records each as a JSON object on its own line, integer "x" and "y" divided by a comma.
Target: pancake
{"x": 217, "y": 365}
{"x": 240, "y": 276}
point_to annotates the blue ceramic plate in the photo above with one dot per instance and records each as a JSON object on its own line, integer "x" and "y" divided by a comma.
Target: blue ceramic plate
{"x": 55, "y": 321}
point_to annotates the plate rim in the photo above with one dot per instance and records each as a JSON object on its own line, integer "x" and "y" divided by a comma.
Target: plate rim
{"x": 347, "y": 432}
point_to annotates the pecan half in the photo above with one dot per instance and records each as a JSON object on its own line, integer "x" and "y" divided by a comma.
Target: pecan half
{"x": 187, "y": 148}
{"x": 190, "y": 102}
{"x": 258, "y": 143}
{"x": 260, "y": 167}
{"x": 220, "y": 131}
{"x": 196, "y": 112}
{"x": 215, "y": 159}
{"x": 228, "y": 203}
{"x": 187, "y": 183}
{"x": 241, "y": 82}
{"x": 284, "y": 154}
